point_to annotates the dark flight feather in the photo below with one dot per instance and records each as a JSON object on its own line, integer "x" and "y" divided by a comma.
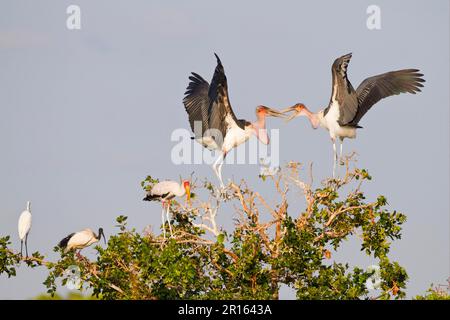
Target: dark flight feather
{"x": 196, "y": 103}
{"x": 63, "y": 242}
{"x": 342, "y": 91}
{"x": 375, "y": 88}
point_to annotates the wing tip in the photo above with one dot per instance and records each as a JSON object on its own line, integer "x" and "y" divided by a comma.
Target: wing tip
{"x": 63, "y": 243}
{"x": 343, "y": 60}
{"x": 218, "y": 59}
{"x": 347, "y": 56}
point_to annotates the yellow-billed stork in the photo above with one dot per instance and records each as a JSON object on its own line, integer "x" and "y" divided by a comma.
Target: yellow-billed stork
{"x": 213, "y": 121}
{"x": 347, "y": 106}
{"x": 165, "y": 191}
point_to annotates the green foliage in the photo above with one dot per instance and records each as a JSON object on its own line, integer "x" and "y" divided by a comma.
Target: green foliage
{"x": 269, "y": 246}
{"x": 440, "y": 292}
{"x": 69, "y": 296}
{"x": 8, "y": 260}
{"x": 148, "y": 183}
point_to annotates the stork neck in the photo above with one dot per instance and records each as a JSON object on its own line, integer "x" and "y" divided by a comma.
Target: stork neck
{"x": 259, "y": 129}
{"x": 100, "y": 234}
{"x": 260, "y": 123}
{"x": 28, "y": 206}
{"x": 313, "y": 118}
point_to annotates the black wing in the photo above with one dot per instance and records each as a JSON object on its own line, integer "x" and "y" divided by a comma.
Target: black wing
{"x": 156, "y": 197}
{"x": 63, "y": 242}
{"x": 343, "y": 92}
{"x": 196, "y": 103}
{"x": 220, "y": 106}
{"x": 373, "y": 89}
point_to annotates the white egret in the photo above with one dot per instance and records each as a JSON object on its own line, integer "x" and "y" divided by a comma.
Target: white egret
{"x": 24, "y": 227}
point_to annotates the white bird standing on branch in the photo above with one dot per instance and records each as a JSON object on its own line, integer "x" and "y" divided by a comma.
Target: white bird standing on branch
{"x": 213, "y": 121}
{"x": 24, "y": 227}
{"x": 347, "y": 106}
{"x": 165, "y": 191}
{"x": 81, "y": 239}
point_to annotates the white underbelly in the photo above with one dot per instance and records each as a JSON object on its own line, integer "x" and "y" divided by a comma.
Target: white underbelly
{"x": 235, "y": 136}
{"x": 208, "y": 142}
{"x": 345, "y": 132}
{"x": 336, "y": 131}
{"x": 330, "y": 122}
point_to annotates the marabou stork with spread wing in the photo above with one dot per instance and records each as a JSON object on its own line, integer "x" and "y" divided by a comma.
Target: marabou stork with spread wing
{"x": 347, "y": 106}
{"x": 213, "y": 121}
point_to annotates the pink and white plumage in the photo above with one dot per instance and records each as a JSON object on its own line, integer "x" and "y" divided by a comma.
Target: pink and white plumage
{"x": 165, "y": 191}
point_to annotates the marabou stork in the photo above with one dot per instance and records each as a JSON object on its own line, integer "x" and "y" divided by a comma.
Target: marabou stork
{"x": 24, "y": 227}
{"x": 165, "y": 191}
{"x": 347, "y": 106}
{"x": 213, "y": 121}
{"x": 81, "y": 239}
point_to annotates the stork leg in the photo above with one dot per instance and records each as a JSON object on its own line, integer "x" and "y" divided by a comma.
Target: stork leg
{"x": 334, "y": 156}
{"x": 162, "y": 220}
{"x": 341, "y": 157}
{"x": 168, "y": 217}
{"x": 21, "y": 248}
{"x": 220, "y": 169}
{"x": 26, "y": 245}
{"x": 218, "y": 166}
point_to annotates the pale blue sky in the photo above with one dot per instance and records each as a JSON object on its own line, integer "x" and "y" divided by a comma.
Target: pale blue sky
{"x": 86, "y": 115}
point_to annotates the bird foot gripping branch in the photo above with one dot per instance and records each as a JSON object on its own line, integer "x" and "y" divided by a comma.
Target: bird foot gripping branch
{"x": 221, "y": 192}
